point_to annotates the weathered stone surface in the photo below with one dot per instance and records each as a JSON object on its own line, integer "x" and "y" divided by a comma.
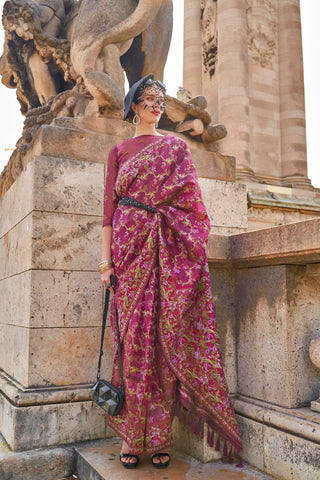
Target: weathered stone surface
{"x": 15, "y": 300}
{"x": 65, "y": 299}
{"x": 53, "y": 241}
{"x": 65, "y": 242}
{"x": 213, "y": 165}
{"x": 68, "y": 186}
{"x": 54, "y": 185}
{"x": 191, "y": 444}
{"x": 284, "y": 442}
{"x": 77, "y": 144}
{"x": 50, "y": 464}
{"x": 14, "y": 351}
{"x": 223, "y": 289}
{"x": 252, "y": 441}
{"x": 270, "y": 205}
{"x": 219, "y": 250}
{"x": 18, "y": 200}
{"x": 52, "y": 298}
{"x": 275, "y": 321}
{"x": 226, "y": 204}
{"x": 293, "y": 243}
{"x": 66, "y": 356}
{"x": 289, "y": 456}
{"x": 25, "y": 428}
{"x": 16, "y": 249}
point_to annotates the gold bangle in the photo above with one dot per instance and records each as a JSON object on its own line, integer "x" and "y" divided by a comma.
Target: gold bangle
{"x": 103, "y": 266}
{"x": 105, "y": 261}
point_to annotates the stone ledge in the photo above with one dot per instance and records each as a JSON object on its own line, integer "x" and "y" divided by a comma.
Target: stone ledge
{"x": 301, "y": 422}
{"x": 27, "y": 397}
{"x": 274, "y": 197}
{"x": 281, "y": 442}
{"x": 50, "y": 463}
{"x": 295, "y": 244}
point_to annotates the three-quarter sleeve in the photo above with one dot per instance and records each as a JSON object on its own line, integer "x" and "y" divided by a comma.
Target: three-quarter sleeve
{"x": 110, "y": 196}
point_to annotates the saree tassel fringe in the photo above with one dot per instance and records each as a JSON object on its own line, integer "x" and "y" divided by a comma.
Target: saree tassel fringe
{"x": 180, "y": 414}
{"x": 225, "y": 449}
{"x": 214, "y": 439}
{"x": 240, "y": 463}
{"x": 201, "y": 426}
{"x": 230, "y": 456}
{"x": 188, "y": 418}
{"x": 210, "y": 437}
{"x": 217, "y": 447}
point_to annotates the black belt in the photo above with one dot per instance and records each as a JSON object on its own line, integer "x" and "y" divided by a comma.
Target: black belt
{"x": 135, "y": 203}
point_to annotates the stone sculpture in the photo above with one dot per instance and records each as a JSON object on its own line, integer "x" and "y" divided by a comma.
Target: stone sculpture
{"x": 68, "y": 58}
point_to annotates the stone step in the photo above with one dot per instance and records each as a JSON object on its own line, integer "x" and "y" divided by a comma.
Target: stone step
{"x": 101, "y": 462}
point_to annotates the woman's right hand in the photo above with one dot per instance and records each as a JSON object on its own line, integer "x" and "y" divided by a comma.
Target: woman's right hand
{"x": 106, "y": 278}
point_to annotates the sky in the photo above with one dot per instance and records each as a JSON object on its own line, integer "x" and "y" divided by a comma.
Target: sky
{"x": 11, "y": 121}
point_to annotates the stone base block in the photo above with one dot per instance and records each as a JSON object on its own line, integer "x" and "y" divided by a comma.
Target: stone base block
{"x": 281, "y": 442}
{"x": 190, "y": 444}
{"x": 45, "y": 417}
{"x": 48, "y": 464}
{"x": 226, "y": 204}
{"x": 315, "y": 406}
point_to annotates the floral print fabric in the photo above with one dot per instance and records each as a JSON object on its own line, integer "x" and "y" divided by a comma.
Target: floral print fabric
{"x": 172, "y": 362}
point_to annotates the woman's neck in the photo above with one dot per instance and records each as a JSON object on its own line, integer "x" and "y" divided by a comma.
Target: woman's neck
{"x": 145, "y": 129}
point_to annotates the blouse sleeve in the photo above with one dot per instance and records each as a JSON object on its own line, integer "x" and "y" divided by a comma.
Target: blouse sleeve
{"x": 110, "y": 196}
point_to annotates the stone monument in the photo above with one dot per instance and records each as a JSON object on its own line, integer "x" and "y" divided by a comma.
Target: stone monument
{"x": 51, "y": 298}
{"x": 243, "y": 68}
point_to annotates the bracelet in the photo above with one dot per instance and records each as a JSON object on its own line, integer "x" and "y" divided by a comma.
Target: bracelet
{"x": 105, "y": 261}
{"x": 104, "y": 265}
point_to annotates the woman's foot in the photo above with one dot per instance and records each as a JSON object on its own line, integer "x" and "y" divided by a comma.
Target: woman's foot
{"x": 127, "y": 459}
{"x": 160, "y": 459}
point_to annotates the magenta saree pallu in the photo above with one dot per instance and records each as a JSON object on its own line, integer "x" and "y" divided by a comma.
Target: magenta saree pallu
{"x": 171, "y": 356}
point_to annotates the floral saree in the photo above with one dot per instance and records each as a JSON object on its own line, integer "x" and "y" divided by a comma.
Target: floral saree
{"x": 171, "y": 356}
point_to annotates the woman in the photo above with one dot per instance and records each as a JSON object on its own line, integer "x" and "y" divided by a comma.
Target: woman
{"x": 154, "y": 238}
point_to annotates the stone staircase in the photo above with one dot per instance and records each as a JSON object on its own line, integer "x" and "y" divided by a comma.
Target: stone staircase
{"x": 101, "y": 462}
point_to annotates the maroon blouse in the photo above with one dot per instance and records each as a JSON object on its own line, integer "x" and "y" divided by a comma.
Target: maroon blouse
{"x": 117, "y": 155}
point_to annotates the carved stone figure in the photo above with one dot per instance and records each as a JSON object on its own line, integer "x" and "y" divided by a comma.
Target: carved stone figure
{"x": 262, "y": 31}
{"x": 101, "y": 38}
{"x": 209, "y": 11}
{"x": 35, "y": 59}
{"x": 68, "y": 58}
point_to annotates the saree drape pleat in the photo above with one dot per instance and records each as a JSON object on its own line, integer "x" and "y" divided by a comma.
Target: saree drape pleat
{"x": 171, "y": 355}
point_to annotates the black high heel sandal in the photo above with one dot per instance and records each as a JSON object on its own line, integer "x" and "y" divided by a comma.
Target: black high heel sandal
{"x": 160, "y": 464}
{"x": 129, "y": 464}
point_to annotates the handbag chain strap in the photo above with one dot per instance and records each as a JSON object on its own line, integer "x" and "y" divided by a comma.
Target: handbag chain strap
{"x": 104, "y": 321}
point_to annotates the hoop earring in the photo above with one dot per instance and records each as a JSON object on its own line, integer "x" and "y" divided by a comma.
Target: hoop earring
{"x": 136, "y": 120}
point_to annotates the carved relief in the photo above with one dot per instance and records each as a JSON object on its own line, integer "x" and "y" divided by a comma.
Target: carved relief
{"x": 208, "y": 9}
{"x": 262, "y": 30}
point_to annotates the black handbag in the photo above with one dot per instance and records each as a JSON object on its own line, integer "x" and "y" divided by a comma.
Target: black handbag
{"x": 103, "y": 393}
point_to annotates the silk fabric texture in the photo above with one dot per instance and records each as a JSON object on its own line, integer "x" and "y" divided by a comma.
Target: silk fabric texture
{"x": 171, "y": 354}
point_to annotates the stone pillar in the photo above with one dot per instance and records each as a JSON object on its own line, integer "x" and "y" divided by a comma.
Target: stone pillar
{"x": 292, "y": 107}
{"x": 192, "y": 56}
{"x": 233, "y": 83}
